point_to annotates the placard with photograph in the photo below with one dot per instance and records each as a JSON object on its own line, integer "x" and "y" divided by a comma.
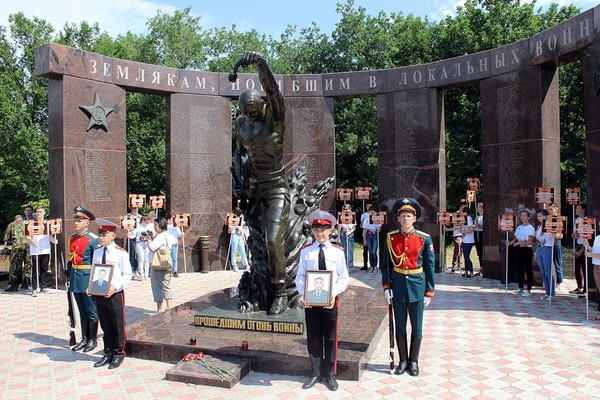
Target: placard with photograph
{"x": 100, "y": 278}
{"x": 346, "y": 217}
{"x": 54, "y": 226}
{"x": 36, "y": 228}
{"x": 506, "y": 222}
{"x": 444, "y": 218}
{"x": 232, "y": 221}
{"x": 585, "y": 228}
{"x": 129, "y": 222}
{"x": 362, "y": 193}
{"x": 378, "y": 217}
{"x": 573, "y": 196}
{"x": 458, "y": 219}
{"x": 137, "y": 200}
{"x": 182, "y": 219}
{"x": 345, "y": 194}
{"x": 157, "y": 202}
{"x": 544, "y": 195}
{"x": 471, "y": 196}
{"x": 555, "y": 224}
{"x": 318, "y": 289}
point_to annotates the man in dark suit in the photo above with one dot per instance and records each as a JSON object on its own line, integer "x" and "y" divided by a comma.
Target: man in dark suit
{"x": 318, "y": 295}
{"x": 100, "y": 284}
{"x": 407, "y": 276}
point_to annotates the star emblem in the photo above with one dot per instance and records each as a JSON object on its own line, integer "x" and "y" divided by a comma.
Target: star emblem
{"x": 405, "y": 200}
{"x": 97, "y": 114}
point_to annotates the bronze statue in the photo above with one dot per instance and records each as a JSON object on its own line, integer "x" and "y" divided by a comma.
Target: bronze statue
{"x": 260, "y": 131}
{"x": 276, "y": 234}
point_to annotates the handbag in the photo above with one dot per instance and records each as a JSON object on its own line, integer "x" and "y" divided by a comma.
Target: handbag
{"x": 161, "y": 260}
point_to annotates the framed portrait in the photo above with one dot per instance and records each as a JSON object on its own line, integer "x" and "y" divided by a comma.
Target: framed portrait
{"x": 318, "y": 288}
{"x": 100, "y": 278}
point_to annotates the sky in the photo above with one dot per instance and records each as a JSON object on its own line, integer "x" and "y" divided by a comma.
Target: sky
{"x": 270, "y": 17}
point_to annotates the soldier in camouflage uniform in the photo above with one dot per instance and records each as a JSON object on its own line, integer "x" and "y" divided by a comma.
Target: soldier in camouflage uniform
{"x": 16, "y": 237}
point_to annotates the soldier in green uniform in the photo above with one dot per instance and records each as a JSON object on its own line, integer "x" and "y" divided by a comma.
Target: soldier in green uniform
{"x": 81, "y": 247}
{"x": 16, "y": 237}
{"x": 407, "y": 276}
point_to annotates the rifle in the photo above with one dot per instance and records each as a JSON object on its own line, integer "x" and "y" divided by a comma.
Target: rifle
{"x": 392, "y": 335}
{"x": 390, "y": 315}
{"x": 71, "y": 313}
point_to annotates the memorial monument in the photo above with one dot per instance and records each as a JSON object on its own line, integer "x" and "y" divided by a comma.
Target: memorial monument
{"x": 275, "y": 227}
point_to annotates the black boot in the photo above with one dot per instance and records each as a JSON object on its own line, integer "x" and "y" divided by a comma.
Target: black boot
{"x": 85, "y": 334}
{"x": 93, "y": 333}
{"x": 413, "y": 359}
{"x": 403, "y": 351}
{"x": 279, "y": 304}
{"x": 106, "y": 359}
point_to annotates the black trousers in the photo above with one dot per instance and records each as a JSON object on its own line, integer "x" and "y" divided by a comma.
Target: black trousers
{"x": 111, "y": 313}
{"x": 39, "y": 270}
{"x": 321, "y": 338}
{"x": 524, "y": 264}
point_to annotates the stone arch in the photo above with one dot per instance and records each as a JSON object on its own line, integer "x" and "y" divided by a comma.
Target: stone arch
{"x": 521, "y": 132}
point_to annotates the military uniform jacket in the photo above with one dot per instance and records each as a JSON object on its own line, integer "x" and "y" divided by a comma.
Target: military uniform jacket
{"x": 404, "y": 255}
{"x": 81, "y": 249}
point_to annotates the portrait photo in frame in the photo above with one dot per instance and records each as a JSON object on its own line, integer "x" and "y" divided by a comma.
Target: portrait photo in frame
{"x": 318, "y": 289}
{"x": 100, "y": 278}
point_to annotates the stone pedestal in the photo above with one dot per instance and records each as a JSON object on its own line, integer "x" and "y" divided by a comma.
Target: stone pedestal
{"x": 521, "y": 148}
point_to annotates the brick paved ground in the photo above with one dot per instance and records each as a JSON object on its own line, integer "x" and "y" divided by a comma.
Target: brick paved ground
{"x": 479, "y": 343}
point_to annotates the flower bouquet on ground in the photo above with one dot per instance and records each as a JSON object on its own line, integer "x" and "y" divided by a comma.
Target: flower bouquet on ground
{"x": 215, "y": 369}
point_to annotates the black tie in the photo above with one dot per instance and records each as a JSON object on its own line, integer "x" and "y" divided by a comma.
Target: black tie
{"x": 322, "y": 257}
{"x": 104, "y": 256}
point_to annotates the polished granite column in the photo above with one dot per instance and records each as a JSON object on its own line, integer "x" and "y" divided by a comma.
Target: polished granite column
{"x": 411, "y": 153}
{"x": 87, "y": 162}
{"x": 199, "y": 154}
{"x": 310, "y": 140}
{"x": 521, "y": 148}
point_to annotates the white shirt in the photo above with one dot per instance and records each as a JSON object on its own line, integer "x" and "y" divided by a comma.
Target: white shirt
{"x": 42, "y": 245}
{"x": 365, "y": 222}
{"x": 479, "y": 223}
{"x": 174, "y": 233}
{"x": 118, "y": 257}
{"x": 161, "y": 240}
{"x": 334, "y": 261}
{"x": 143, "y": 228}
{"x": 523, "y": 232}
{"x": 468, "y": 237}
{"x": 544, "y": 239}
{"x": 596, "y": 250}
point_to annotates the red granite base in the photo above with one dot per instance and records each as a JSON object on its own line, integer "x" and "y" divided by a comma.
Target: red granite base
{"x": 195, "y": 373}
{"x": 166, "y": 337}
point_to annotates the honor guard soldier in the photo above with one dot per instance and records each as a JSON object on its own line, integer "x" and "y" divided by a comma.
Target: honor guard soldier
{"x": 82, "y": 244}
{"x": 111, "y": 307}
{"x": 407, "y": 277}
{"x": 321, "y": 322}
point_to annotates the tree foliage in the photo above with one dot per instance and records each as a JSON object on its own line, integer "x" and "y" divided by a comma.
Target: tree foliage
{"x": 359, "y": 42}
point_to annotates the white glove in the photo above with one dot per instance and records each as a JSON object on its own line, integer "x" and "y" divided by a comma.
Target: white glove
{"x": 426, "y": 301}
{"x": 388, "y": 295}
